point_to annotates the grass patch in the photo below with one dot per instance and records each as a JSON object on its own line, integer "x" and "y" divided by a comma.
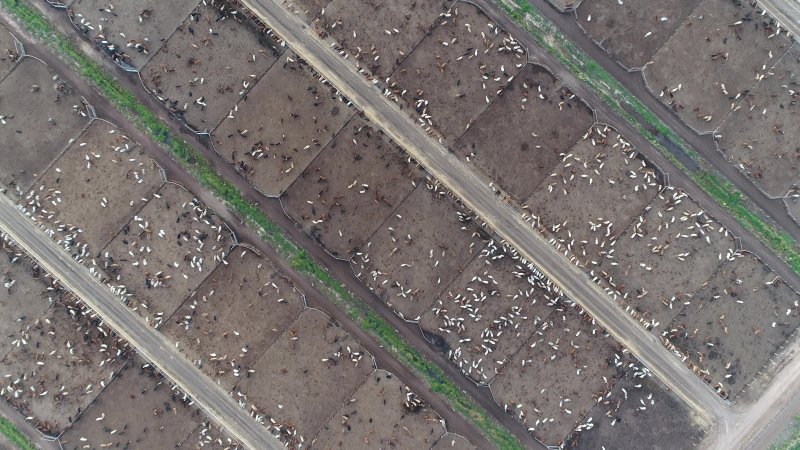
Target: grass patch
{"x": 200, "y": 169}
{"x": 616, "y": 96}
{"x": 11, "y": 432}
{"x": 789, "y": 438}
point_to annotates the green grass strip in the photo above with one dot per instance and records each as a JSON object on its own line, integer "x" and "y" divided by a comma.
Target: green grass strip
{"x": 789, "y": 438}
{"x": 616, "y": 96}
{"x": 11, "y": 432}
{"x": 199, "y": 168}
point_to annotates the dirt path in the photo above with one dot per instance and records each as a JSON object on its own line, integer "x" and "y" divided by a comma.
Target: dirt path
{"x": 339, "y": 269}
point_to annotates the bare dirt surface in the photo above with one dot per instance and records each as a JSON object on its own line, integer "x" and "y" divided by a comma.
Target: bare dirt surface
{"x": 520, "y": 137}
{"x": 415, "y": 254}
{"x": 632, "y": 31}
{"x": 60, "y": 364}
{"x": 760, "y": 136}
{"x": 452, "y": 441}
{"x": 563, "y": 5}
{"x": 24, "y": 294}
{"x": 93, "y": 189}
{"x": 382, "y": 413}
{"x": 308, "y": 9}
{"x": 730, "y": 46}
{"x": 732, "y": 326}
{"x": 351, "y": 188}
{"x": 311, "y": 370}
{"x": 377, "y": 34}
{"x": 281, "y": 126}
{"x": 41, "y": 113}
{"x": 592, "y": 195}
{"x": 457, "y": 70}
{"x": 638, "y": 413}
{"x": 234, "y": 316}
{"x": 211, "y": 62}
{"x": 136, "y": 30}
{"x": 8, "y": 52}
{"x": 554, "y": 380}
{"x": 138, "y": 410}
{"x": 489, "y": 311}
{"x": 208, "y": 436}
{"x": 667, "y": 253}
{"x": 163, "y": 254}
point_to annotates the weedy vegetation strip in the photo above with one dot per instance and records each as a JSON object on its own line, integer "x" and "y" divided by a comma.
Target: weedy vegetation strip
{"x": 11, "y": 432}
{"x": 199, "y": 168}
{"x": 615, "y": 95}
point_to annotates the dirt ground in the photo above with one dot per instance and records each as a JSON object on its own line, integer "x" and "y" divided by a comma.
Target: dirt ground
{"x": 41, "y": 114}
{"x": 234, "y": 316}
{"x": 282, "y": 125}
{"x": 418, "y": 251}
{"x": 729, "y": 45}
{"x": 8, "y": 52}
{"x": 639, "y": 413}
{"x": 591, "y": 197}
{"x": 632, "y": 31}
{"x": 536, "y": 120}
{"x": 667, "y": 253}
{"x": 307, "y": 9}
{"x": 377, "y": 34}
{"x": 60, "y": 365}
{"x": 489, "y": 311}
{"x": 136, "y": 411}
{"x": 351, "y": 188}
{"x": 146, "y": 23}
{"x": 209, "y": 64}
{"x": 555, "y": 378}
{"x": 208, "y": 436}
{"x": 93, "y": 188}
{"x": 304, "y": 377}
{"x": 382, "y": 413}
{"x": 732, "y": 326}
{"x": 456, "y": 71}
{"x": 452, "y": 441}
{"x": 760, "y": 136}
{"x": 163, "y": 254}
{"x": 24, "y": 296}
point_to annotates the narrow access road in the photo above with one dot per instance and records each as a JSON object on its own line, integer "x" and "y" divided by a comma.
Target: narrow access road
{"x": 459, "y": 178}
{"x": 787, "y": 12}
{"x": 149, "y": 343}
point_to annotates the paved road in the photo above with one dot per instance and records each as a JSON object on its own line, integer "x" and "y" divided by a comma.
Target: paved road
{"x": 151, "y": 344}
{"x": 787, "y": 12}
{"x": 477, "y": 195}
